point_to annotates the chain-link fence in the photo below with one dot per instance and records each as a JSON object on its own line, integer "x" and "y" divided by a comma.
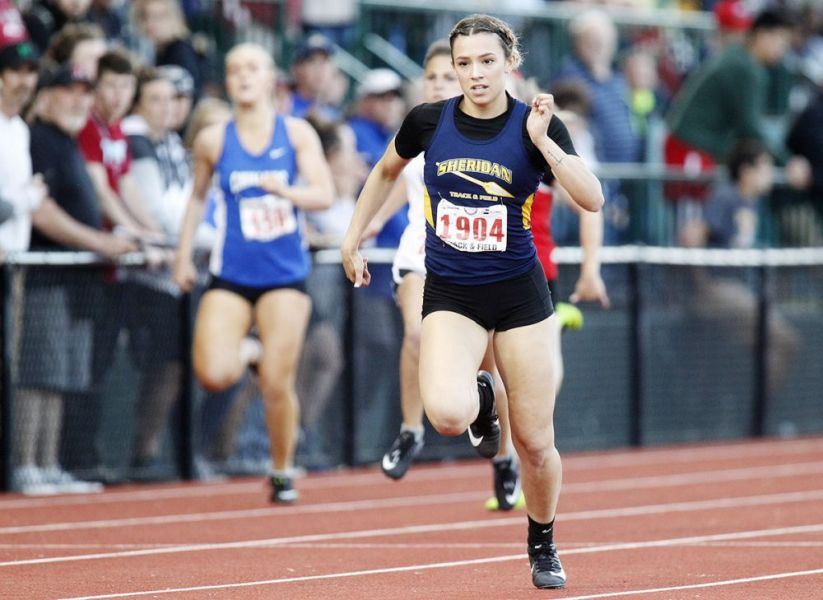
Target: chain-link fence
{"x": 97, "y": 386}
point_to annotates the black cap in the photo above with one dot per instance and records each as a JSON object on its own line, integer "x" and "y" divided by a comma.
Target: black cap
{"x": 315, "y": 43}
{"x": 16, "y": 56}
{"x": 64, "y": 76}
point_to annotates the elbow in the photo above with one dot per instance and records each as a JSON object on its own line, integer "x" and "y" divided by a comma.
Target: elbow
{"x": 325, "y": 199}
{"x": 593, "y": 201}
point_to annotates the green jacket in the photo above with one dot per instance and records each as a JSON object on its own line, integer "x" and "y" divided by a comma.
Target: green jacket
{"x": 722, "y": 103}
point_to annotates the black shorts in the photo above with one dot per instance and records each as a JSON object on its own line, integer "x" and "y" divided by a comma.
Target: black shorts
{"x": 252, "y": 294}
{"x": 500, "y": 306}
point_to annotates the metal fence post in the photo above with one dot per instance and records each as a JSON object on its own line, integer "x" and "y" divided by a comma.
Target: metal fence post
{"x": 636, "y": 354}
{"x": 761, "y": 354}
{"x": 187, "y": 438}
{"x": 349, "y": 380}
{"x": 6, "y": 394}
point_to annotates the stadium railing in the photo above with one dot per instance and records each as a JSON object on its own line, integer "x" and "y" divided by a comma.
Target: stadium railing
{"x": 698, "y": 345}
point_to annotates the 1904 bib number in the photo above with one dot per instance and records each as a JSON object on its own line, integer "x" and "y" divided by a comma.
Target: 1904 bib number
{"x": 472, "y": 229}
{"x": 266, "y": 218}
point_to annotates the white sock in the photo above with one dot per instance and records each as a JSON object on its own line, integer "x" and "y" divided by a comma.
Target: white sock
{"x": 417, "y": 431}
{"x": 250, "y": 350}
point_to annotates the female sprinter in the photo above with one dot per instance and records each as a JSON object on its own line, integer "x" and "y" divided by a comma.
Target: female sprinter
{"x": 409, "y": 271}
{"x": 259, "y": 262}
{"x": 485, "y": 154}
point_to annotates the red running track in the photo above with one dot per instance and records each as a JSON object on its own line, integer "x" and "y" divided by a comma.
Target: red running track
{"x": 732, "y": 521}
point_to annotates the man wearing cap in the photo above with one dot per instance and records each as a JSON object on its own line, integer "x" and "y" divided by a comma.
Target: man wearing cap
{"x": 20, "y": 194}
{"x": 378, "y": 111}
{"x": 56, "y": 338}
{"x": 313, "y": 70}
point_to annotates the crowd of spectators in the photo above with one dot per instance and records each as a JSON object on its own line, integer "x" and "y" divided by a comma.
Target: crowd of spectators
{"x": 98, "y": 99}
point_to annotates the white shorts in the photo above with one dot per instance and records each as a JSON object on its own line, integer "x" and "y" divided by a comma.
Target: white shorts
{"x": 411, "y": 253}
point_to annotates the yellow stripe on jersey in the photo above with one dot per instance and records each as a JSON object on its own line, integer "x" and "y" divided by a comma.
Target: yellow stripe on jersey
{"x": 427, "y": 206}
{"x": 527, "y": 212}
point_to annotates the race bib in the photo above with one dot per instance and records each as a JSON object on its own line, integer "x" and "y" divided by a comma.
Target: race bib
{"x": 266, "y": 218}
{"x": 481, "y": 229}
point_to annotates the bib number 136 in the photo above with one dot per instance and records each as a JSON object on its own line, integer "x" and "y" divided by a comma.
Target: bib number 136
{"x": 472, "y": 229}
{"x": 266, "y": 218}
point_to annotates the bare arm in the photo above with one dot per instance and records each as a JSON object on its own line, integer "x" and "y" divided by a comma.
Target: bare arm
{"x": 590, "y": 286}
{"x": 571, "y": 172}
{"x": 396, "y": 200}
{"x": 57, "y": 225}
{"x": 111, "y": 205}
{"x": 206, "y": 150}
{"x": 318, "y": 193}
{"x": 372, "y": 197}
{"x": 134, "y": 197}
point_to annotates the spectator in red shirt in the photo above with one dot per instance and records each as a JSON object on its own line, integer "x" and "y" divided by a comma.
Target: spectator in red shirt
{"x": 106, "y": 149}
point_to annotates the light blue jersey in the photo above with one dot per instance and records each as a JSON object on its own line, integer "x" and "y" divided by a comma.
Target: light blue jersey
{"x": 259, "y": 235}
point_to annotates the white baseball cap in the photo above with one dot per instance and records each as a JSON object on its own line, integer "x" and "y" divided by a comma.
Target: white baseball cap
{"x": 378, "y": 82}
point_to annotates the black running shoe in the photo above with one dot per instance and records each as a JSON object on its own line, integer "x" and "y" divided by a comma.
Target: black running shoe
{"x": 399, "y": 457}
{"x": 547, "y": 572}
{"x": 282, "y": 490}
{"x": 507, "y": 488}
{"x": 484, "y": 433}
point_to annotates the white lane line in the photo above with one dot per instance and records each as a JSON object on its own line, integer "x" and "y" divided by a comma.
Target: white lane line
{"x": 571, "y": 488}
{"x": 446, "y": 471}
{"x": 422, "y": 567}
{"x": 253, "y": 513}
{"x": 695, "y": 586}
{"x": 47, "y": 546}
{"x": 609, "y": 513}
{"x": 697, "y": 477}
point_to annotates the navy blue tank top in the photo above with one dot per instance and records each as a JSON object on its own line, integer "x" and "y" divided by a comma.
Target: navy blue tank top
{"x": 260, "y": 241}
{"x": 478, "y": 199}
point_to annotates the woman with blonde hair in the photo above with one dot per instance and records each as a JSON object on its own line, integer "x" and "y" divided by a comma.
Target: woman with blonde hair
{"x": 259, "y": 263}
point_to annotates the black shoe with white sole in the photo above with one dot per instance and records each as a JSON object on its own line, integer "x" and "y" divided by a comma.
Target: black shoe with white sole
{"x": 547, "y": 572}
{"x": 484, "y": 433}
{"x": 401, "y": 454}
{"x": 507, "y": 488}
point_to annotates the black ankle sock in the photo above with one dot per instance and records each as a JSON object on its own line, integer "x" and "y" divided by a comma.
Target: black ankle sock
{"x": 540, "y": 533}
{"x": 486, "y": 398}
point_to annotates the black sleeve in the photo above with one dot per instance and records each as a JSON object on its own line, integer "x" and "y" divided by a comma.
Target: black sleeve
{"x": 557, "y": 131}
{"x": 46, "y": 162}
{"x": 140, "y": 147}
{"x": 417, "y": 129}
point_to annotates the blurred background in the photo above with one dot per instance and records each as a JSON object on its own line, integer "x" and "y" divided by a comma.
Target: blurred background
{"x": 713, "y": 236}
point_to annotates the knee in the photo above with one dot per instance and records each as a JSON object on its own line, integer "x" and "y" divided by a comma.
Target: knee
{"x": 215, "y": 371}
{"x": 448, "y": 424}
{"x": 447, "y": 418}
{"x": 411, "y": 342}
{"x": 276, "y": 383}
{"x": 536, "y": 448}
{"x": 213, "y": 377}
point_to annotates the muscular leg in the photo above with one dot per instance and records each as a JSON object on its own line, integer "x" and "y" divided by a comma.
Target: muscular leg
{"x": 451, "y": 348}
{"x": 282, "y": 317}
{"x": 223, "y": 320}
{"x": 524, "y": 357}
{"x": 410, "y": 299}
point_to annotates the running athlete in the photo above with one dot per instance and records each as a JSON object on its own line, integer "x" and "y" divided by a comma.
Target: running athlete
{"x": 485, "y": 155}
{"x": 409, "y": 271}
{"x": 259, "y": 262}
